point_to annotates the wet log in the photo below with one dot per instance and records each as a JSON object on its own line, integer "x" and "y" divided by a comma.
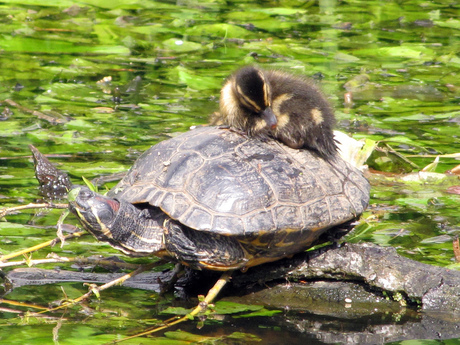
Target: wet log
{"x": 343, "y": 293}
{"x": 381, "y": 272}
{"x": 380, "y": 269}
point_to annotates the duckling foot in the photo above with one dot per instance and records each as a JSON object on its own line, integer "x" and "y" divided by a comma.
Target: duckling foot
{"x": 234, "y": 130}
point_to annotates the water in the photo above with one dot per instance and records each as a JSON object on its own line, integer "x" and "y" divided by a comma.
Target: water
{"x": 397, "y": 59}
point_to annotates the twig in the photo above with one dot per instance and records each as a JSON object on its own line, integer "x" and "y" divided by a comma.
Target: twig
{"x": 9, "y": 310}
{"x": 36, "y": 113}
{"x": 39, "y": 246}
{"x": 456, "y": 246}
{"x": 21, "y": 304}
{"x": 79, "y": 260}
{"x": 8, "y": 210}
{"x": 97, "y": 289}
{"x": 201, "y": 307}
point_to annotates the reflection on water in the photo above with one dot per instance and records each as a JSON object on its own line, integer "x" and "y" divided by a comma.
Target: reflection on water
{"x": 167, "y": 60}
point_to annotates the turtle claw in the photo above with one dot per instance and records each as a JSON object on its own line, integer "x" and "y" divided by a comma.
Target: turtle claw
{"x": 167, "y": 286}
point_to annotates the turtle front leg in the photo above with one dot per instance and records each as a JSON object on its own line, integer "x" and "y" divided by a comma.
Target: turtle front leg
{"x": 203, "y": 249}
{"x": 168, "y": 285}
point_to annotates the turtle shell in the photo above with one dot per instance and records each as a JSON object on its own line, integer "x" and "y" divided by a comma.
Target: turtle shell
{"x": 273, "y": 199}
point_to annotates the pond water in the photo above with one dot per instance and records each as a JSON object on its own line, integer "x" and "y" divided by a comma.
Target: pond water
{"x": 94, "y": 83}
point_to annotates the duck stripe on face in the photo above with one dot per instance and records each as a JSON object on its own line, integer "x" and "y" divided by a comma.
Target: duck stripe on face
{"x": 247, "y": 102}
{"x": 267, "y": 90}
{"x": 304, "y": 118}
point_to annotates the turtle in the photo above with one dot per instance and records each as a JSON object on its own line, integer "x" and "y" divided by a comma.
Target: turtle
{"x": 277, "y": 104}
{"x": 214, "y": 198}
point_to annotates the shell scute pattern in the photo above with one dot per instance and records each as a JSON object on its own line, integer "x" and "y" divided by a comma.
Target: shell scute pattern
{"x": 260, "y": 220}
{"x": 208, "y": 147}
{"x": 222, "y": 224}
{"x": 230, "y": 187}
{"x": 294, "y": 184}
{"x": 290, "y": 214}
{"x": 200, "y": 216}
{"x": 220, "y": 181}
{"x": 317, "y": 214}
{"x": 339, "y": 205}
{"x": 352, "y": 189}
{"x": 177, "y": 174}
{"x": 180, "y": 205}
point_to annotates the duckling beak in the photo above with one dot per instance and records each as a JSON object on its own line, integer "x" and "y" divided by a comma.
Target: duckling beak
{"x": 270, "y": 118}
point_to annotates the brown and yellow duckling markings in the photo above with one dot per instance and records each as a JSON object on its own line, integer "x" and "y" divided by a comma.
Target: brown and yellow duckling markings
{"x": 279, "y": 105}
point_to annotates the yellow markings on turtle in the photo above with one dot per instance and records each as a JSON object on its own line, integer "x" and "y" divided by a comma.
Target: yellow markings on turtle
{"x": 104, "y": 229}
{"x": 262, "y": 260}
{"x": 80, "y": 216}
{"x": 160, "y": 253}
{"x": 317, "y": 228}
{"x": 144, "y": 239}
{"x": 147, "y": 240}
{"x": 287, "y": 232}
{"x": 256, "y": 242}
{"x": 163, "y": 253}
{"x": 211, "y": 267}
{"x": 317, "y": 116}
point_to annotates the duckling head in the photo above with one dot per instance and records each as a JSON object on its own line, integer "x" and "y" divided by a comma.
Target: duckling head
{"x": 274, "y": 104}
{"x": 245, "y": 103}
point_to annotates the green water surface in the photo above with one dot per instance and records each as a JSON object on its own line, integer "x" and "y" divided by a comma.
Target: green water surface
{"x": 167, "y": 61}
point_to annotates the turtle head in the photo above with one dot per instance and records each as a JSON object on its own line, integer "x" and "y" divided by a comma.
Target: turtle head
{"x": 135, "y": 231}
{"x": 246, "y": 102}
{"x": 95, "y": 212}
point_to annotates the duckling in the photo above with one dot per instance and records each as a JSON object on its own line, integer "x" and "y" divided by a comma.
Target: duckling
{"x": 279, "y": 105}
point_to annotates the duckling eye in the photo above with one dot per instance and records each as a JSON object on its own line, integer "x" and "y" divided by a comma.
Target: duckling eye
{"x": 252, "y": 95}
{"x": 252, "y": 89}
{"x": 249, "y": 100}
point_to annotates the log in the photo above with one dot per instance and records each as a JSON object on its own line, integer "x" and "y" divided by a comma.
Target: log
{"x": 353, "y": 294}
{"x": 382, "y": 272}
{"x": 381, "y": 269}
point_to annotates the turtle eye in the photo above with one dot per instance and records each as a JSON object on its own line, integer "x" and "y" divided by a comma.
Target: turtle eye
{"x": 105, "y": 214}
{"x": 85, "y": 194}
{"x": 104, "y": 209}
